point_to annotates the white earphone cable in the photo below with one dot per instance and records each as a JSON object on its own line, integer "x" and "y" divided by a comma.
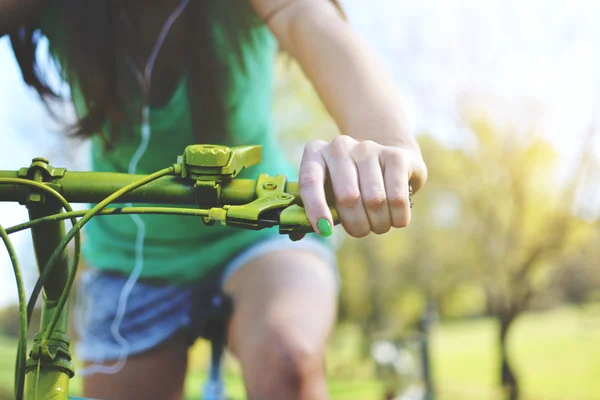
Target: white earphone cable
{"x": 144, "y": 81}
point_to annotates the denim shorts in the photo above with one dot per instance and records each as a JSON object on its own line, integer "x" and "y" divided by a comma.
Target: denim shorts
{"x": 113, "y": 323}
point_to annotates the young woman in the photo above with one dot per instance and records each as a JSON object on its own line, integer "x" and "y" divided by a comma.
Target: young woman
{"x": 148, "y": 78}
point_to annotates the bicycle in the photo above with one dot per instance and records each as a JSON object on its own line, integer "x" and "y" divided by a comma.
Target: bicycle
{"x": 204, "y": 177}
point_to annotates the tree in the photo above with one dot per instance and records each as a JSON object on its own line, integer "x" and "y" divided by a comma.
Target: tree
{"x": 523, "y": 222}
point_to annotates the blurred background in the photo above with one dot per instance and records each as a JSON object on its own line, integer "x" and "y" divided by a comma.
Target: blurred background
{"x": 493, "y": 291}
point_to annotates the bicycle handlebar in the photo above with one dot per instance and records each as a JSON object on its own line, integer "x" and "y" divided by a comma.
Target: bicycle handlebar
{"x": 92, "y": 187}
{"x": 203, "y": 177}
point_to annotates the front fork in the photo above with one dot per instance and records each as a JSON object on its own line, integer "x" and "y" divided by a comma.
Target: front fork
{"x": 49, "y": 367}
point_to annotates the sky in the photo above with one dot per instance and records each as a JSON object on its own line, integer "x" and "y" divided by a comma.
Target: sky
{"x": 525, "y": 63}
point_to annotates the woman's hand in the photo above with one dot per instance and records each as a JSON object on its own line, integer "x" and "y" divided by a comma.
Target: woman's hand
{"x": 371, "y": 184}
{"x": 371, "y": 168}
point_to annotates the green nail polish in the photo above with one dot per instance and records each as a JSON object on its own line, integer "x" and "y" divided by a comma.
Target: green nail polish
{"x": 324, "y": 227}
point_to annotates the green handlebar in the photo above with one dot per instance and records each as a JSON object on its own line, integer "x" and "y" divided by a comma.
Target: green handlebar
{"x": 92, "y": 187}
{"x": 203, "y": 177}
{"x": 204, "y": 164}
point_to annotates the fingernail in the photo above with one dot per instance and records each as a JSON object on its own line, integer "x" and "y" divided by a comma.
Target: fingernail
{"x": 324, "y": 227}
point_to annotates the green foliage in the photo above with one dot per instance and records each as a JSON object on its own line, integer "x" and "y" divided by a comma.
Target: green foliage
{"x": 492, "y": 227}
{"x": 10, "y": 322}
{"x": 466, "y": 300}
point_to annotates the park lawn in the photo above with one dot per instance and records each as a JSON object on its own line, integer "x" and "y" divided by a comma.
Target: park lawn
{"x": 556, "y": 354}
{"x": 7, "y": 366}
{"x": 360, "y": 389}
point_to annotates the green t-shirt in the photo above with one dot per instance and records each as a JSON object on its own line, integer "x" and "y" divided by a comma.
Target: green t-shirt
{"x": 181, "y": 249}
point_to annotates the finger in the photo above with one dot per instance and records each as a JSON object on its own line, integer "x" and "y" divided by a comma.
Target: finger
{"x": 344, "y": 180}
{"x": 311, "y": 181}
{"x": 396, "y": 177}
{"x": 418, "y": 175}
{"x": 372, "y": 189}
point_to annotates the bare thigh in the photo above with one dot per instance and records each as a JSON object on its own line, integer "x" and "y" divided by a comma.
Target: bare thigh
{"x": 285, "y": 306}
{"x": 156, "y": 374}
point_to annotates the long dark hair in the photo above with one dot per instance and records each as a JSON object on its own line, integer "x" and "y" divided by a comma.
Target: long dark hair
{"x": 90, "y": 51}
{"x": 89, "y": 54}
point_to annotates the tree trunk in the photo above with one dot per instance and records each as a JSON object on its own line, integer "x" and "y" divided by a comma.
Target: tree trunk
{"x": 508, "y": 377}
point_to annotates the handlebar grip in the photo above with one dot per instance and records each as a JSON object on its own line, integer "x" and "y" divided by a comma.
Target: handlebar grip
{"x": 293, "y": 219}
{"x": 293, "y": 188}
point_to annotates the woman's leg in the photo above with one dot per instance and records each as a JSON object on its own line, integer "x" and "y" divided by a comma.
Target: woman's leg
{"x": 155, "y": 374}
{"x": 151, "y": 335}
{"x": 284, "y": 309}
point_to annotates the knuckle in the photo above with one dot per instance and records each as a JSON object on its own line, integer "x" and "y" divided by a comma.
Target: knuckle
{"x": 308, "y": 179}
{"x": 339, "y": 139}
{"x": 395, "y": 157}
{"x": 337, "y": 147}
{"x": 313, "y": 146}
{"x": 397, "y": 201}
{"x": 348, "y": 199}
{"x": 340, "y": 144}
{"x": 368, "y": 145}
{"x": 375, "y": 201}
{"x": 365, "y": 150}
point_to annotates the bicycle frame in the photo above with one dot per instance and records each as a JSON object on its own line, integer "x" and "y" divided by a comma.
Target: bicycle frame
{"x": 50, "y": 377}
{"x": 203, "y": 176}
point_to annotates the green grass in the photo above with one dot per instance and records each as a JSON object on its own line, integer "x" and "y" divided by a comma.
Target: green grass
{"x": 556, "y": 354}
{"x": 362, "y": 389}
{"x": 7, "y": 364}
